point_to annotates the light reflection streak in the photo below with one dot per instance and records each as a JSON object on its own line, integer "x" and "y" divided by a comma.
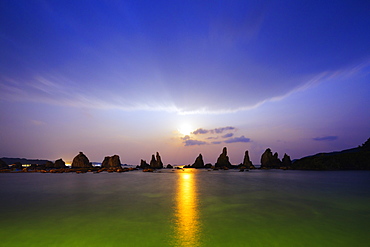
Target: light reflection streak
{"x": 187, "y": 224}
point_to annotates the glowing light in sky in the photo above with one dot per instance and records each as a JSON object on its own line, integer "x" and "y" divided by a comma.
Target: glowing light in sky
{"x": 185, "y": 129}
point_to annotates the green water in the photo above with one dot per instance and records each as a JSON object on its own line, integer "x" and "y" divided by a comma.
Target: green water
{"x": 186, "y": 208}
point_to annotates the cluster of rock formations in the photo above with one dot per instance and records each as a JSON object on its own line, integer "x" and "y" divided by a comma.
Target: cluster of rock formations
{"x": 58, "y": 164}
{"x": 112, "y": 163}
{"x": 222, "y": 162}
{"x": 80, "y": 164}
{"x": 269, "y": 160}
{"x": 350, "y": 159}
{"x": 155, "y": 163}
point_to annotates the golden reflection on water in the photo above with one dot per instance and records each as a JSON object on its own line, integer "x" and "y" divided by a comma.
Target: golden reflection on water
{"x": 187, "y": 224}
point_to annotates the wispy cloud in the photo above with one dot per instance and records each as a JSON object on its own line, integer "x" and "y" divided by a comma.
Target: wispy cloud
{"x": 218, "y": 133}
{"x": 190, "y": 142}
{"x": 325, "y": 138}
{"x": 238, "y": 139}
{"x": 55, "y": 90}
{"x": 58, "y": 89}
{"x": 201, "y": 131}
{"x": 221, "y": 130}
{"x": 227, "y": 135}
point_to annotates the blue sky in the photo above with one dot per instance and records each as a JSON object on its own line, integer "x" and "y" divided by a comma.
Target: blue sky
{"x": 126, "y": 77}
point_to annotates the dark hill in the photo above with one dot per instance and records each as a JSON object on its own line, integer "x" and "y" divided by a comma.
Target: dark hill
{"x": 349, "y": 159}
{"x": 10, "y": 161}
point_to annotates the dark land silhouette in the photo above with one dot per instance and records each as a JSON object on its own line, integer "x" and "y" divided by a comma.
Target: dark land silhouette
{"x": 350, "y": 159}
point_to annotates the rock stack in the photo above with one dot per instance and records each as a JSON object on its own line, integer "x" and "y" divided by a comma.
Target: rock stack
{"x": 153, "y": 161}
{"x": 269, "y": 160}
{"x": 286, "y": 161}
{"x": 144, "y": 165}
{"x": 59, "y": 164}
{"x": 81, "y": 161}
{"x": 156, "y": 162}
{"x": 49, "y": 164}
{"x": 247, "y": 163}
{"x": 223, "y": 159}
{"x": 111, "y": 162}
{"x": 199, "y": 163}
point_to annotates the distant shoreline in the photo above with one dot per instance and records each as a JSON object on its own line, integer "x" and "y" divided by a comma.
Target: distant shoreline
{"x": 349, "y": 159}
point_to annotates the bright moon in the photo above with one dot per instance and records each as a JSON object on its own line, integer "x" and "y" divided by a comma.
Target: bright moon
{"x": 185, "y": 129}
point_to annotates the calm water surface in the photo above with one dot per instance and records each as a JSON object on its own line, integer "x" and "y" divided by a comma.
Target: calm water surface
{"x": 186, "y": 208}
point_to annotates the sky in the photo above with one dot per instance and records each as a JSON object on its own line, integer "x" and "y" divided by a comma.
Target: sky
{"x": 183, "y": 77}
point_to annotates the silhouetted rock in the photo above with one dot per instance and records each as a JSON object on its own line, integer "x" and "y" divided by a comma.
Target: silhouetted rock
{"x": 59, "y": 164}
{"x": 199, "y": 163}
{"x": 81, "y": 161}
{"x": 3, "y": 164}
{"x": 286, "y": 161}
{"x": 49, "y": 164}
{"x": 111, "y": 162}
{"x": 156, "y": 162}
{"x": 159, "y": 161}
{"x": 223, "y": 159}
{"x": 144, "y": 165}
{"x": 270, "y": 161}
{"x": 153, "y": 161}
{"x": 105, "y": 162}
{"x": 349, "y": 159}
{"x": 169, "y": 166}
{"x": 247, "y": 163}
{"x": 208, "y": 165}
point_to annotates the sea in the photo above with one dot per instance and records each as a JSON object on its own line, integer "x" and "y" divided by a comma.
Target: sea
{"x": 186, "y": 207}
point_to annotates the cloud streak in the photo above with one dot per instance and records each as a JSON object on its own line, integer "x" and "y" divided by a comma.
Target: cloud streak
{"x": 190, "y": 142}
{"x": 325, "y": 138}
{"x": 227, "y": 135}
{"x": 60, "y": 90}
{"x": 202, "y": 131}
{"x": 238, "y": 139}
